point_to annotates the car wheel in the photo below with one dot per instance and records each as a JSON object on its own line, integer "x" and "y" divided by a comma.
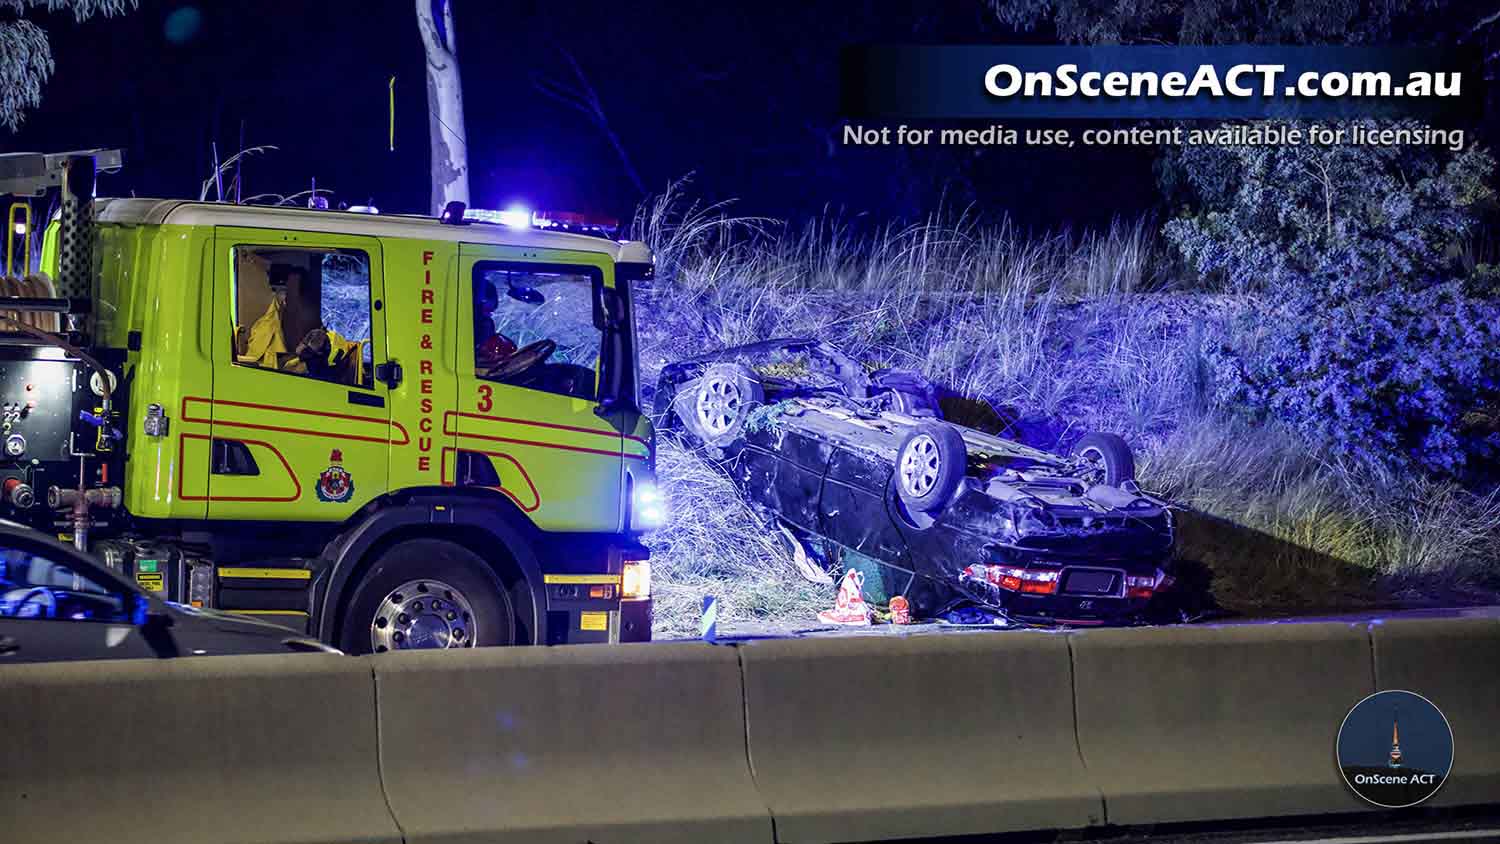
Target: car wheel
{"x": 1104, "y": 459}
{"x": 427, "y": 594}
{"x": 930, "y": 465}
{"x": 724, "y": 396}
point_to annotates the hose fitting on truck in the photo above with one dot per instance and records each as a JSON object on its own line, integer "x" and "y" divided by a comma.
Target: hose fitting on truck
{"x": 18, "y": 494}
{"x": 79, "y": 501}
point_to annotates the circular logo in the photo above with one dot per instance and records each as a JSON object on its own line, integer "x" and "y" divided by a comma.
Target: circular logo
{"x": 1395, "y": 749}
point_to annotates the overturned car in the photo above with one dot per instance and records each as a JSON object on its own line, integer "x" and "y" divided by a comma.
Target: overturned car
{"x": 953, "y": 514}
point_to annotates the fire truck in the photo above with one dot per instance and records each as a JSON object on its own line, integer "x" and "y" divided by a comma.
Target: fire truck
{"x": 386, "y": 431}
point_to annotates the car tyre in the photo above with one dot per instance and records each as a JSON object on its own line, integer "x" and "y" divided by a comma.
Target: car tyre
{"x": 433, "y": 593}
{"x": 721, "y": 401}
{"x": 1105, "y": 458}
{"x": 930, "y": 466}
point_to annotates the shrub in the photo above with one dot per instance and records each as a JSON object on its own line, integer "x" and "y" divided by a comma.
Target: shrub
{"x": 1265, "y": 216}
{"x": 1367, "y": 338}
{"x": 1384, "y": 377}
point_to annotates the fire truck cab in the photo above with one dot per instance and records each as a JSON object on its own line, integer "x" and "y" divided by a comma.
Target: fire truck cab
{"x": 390, "y": 432}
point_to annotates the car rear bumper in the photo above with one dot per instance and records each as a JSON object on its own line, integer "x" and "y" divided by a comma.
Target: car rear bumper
{"x": 1083, "y": 594}
{"x": 1076, "y": 610}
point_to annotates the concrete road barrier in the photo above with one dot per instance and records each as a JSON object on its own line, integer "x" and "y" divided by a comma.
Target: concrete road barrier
{"x": 221, "y": 749}
{"x": 632, "y": 743}
{"x": 867, "y": 739}
{"x": 1218, "y": 722}
{"x": 1455, "y": 663}
{"x": 852, "y": 739}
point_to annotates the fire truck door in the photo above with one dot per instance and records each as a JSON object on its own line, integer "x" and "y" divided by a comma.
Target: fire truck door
{"x": 296, "y": 426}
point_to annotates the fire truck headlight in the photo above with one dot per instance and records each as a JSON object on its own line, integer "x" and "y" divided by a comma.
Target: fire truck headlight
{"x": 648, "y": 510}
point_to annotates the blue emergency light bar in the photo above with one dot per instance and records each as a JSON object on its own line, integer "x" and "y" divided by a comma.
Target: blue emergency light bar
{"x": 521, "y": 218}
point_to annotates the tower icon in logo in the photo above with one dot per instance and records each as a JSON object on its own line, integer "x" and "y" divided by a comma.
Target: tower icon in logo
{"x": 1396, "y": 740}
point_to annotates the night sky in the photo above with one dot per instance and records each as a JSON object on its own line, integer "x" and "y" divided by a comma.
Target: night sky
{"x": 1424, "y": 734}
{"x": 744, "y": 96}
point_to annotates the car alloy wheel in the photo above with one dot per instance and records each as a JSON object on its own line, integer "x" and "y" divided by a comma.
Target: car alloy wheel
{"x": 920, "y": 465}
{"x": 720, "y": 404}
{"x": 423, "y": 614}
{"x": 930, "y": 468}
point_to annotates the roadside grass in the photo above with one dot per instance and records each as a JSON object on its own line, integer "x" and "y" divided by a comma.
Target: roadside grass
{"x": 713, "y": 545}
{"x": 1062, "y": 333}
{"x": 1283, "y": 531}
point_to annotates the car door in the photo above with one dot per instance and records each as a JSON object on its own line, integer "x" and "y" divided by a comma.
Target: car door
{"x": 58, "y": 605}
{"x": 781, "y": 468}
{"x": 297, "y": 427}
{"x": 856, "y": 505}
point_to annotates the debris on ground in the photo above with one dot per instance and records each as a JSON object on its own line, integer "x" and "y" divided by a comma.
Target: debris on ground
{"x": 807, "y": 567}
{"x": 900, "y": 610}
{"x": 849, "y": 607}
{"x": 973, "y": 617}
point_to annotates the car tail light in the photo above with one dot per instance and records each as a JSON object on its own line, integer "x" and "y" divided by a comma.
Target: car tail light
{"x": 1140, "y": 586}
{"x": 1015, "y": 579}
{"x": 1039, "y": 581}
{"x": 635, "y": 580}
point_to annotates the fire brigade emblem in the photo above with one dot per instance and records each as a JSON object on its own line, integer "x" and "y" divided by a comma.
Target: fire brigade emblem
{"x": 335, "y": 485}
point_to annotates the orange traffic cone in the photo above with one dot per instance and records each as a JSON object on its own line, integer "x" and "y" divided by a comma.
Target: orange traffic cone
{"x": 850, "y": 607}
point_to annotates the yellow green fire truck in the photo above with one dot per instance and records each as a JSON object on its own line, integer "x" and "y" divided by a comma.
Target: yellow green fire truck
{"x": 390, "y": 432}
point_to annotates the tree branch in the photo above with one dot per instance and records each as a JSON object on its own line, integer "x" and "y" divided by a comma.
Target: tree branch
{"x": 1484, "y": 22}
{"x": 580, "y": 96}
{"x": 82, "y": 9}
{"x": 26, "y": 57}
{"x": 26, "y": 65}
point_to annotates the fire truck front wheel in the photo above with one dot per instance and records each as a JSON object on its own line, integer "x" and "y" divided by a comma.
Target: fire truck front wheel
{"x": 427, "y": 594}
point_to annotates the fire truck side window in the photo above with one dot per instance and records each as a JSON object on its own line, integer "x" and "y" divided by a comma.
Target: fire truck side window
{"x": 534, "y": 327}
{"x": 304, "y": 312}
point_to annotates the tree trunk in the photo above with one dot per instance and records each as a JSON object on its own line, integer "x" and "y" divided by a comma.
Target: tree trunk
{"x": 445, "y": 105}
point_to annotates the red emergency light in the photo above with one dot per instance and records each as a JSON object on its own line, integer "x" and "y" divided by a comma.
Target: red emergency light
{"x": 571, "y": 221}
{"x": 563, "y": 221}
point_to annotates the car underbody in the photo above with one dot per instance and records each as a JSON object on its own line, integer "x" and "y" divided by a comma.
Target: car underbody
{"x": 863, "y": 462}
